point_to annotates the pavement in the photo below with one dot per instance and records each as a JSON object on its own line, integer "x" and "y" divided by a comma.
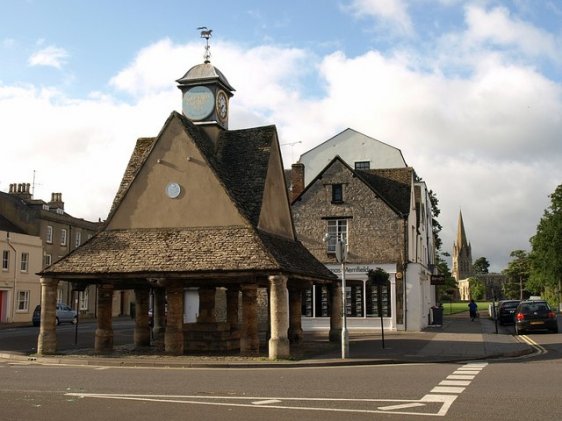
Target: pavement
{"x": 457, "y": 339}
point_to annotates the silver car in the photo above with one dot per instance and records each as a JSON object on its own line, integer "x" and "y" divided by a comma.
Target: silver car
{"x": 64, "y": 315}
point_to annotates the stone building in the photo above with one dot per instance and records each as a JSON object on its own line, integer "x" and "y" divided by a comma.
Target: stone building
{"x": 19, "y": 284}
{"x": 384, "y": 218}
{"x": 462, "y": 254}
{"x": 59, "y": 232}
{"x": 202, "y": 208}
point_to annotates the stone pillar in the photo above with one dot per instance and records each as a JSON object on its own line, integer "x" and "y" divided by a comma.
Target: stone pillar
{"x": 104, "y": 333}
{"x": 158, "y": 313}
{"x": 47, "y": 339}
{"x": 232, "y": 308}
{"x": 295, "y": 316}
{"x": 279, "y": 316}
{"x": 173, "y": 337}
{"x": 207, "y": 305}
{"x": 249, "y": 339}
{"x": 142, "y": 328}
{"x": 336, "y": 322}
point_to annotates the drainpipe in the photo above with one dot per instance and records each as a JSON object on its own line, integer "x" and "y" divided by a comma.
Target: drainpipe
{"x": 15, "y": 277}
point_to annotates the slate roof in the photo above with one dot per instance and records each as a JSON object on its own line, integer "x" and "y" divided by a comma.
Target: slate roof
{"x": 240, "y": 160}
{"x": 196, "y": 251}
{"x": 393, "y": 185}
{"x": 6, "y": 225}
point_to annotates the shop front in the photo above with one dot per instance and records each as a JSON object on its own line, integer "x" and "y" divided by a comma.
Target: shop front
{"x": 362, "y": 300}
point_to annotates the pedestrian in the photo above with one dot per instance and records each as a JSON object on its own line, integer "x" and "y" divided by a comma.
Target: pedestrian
{"x": 473, "y": 308}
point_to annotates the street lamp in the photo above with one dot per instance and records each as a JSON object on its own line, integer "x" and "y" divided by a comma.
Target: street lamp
{"x": 341, "y": 257}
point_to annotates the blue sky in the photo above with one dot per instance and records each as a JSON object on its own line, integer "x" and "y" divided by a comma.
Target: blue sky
{"x": 470, "y": 91}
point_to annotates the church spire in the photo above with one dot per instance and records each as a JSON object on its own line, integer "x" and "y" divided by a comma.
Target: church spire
{"x": 461, "y": 235}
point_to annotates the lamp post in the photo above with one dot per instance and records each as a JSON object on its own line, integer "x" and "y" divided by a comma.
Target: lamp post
{"x": 341, "y": 257}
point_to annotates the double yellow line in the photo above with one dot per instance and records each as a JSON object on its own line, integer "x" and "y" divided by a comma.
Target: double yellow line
{"x": 537, "y": 347}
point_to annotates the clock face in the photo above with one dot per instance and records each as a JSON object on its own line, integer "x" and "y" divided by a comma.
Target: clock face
{"x": 198, "y": 103}
{"x": 173, "y": 190}
{"x": 222, "y": 106}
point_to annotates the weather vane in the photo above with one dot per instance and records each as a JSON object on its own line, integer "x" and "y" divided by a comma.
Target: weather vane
{"x": 206, "y": 33}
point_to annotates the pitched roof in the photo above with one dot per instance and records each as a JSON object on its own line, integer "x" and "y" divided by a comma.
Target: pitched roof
{"x": 196, "y": 251}
{"x": 393, "y": 184}
{"x": 240, "y": 159}
{"x": 6, "y": 225}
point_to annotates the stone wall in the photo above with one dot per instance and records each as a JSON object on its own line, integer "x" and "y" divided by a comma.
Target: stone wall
{"x": 375, "y": 231}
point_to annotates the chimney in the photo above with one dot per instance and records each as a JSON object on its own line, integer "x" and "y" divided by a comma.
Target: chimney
{"x": 297, "y": 180}
{"x": 56, "y": 201}
{"x": 21, "y": 190}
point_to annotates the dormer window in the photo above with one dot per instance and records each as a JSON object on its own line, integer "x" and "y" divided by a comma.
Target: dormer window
{"x": 45, "y": 207}
{"x": 60, "y": 211}
{"x": 337, "y": 193}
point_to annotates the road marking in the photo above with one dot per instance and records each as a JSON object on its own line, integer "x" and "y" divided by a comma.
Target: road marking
{"x": 429, "y": 405}
{"x": 454, "y": 383}
{"x": 464, "y": 372}
{"x": 436, "y": 403}
{"x": 459, "y": 377}
{"x": 402, "y": 406}
{"x": 443, "y": 389}
{"x": 267, "y": 402}
{"x": 537, "y": 347}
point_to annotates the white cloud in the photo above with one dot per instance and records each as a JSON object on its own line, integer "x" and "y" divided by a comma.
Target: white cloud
{"x": 487, "y": 142}
{"x": 51, "y": 56}
{"x": 499, "y": 28}
{"x": 389, "y": 13}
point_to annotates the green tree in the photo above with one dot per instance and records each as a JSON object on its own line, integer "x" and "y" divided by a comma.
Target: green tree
{"x": 517, "y": 273}
{"x": 476, "y": 288}
{"x": 448, "y": 290}
{"x": 481, "y": 266}
{"x": 435, "y": 211}
{"x": 546, "y": 251}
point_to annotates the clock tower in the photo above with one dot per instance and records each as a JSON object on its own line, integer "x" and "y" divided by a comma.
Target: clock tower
{"x": 206, "y": 91}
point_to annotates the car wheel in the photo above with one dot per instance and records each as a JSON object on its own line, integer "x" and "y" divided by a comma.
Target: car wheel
{"x": 555, "y": 330}
{"x": 519, "y": 331}
{"x": 57, "y": 321}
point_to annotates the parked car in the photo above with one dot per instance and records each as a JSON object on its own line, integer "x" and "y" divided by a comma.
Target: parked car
{"x": 64, "y": 315}
{"x": 534, "y": 315}
{"x": 505, "y": 311}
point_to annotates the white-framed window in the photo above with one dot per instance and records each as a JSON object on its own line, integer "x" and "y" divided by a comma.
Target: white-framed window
{"x": 45, "y": 207}
{"x": 84, "y": 299}
{"x": 59, "y": 296}
{"x": 78, "y": 239}
{"x": 23, "y": 301}
{"x": 5, "y": 260}
{"x": 48, "y": 259}
{"x": 60, "y": 211}
{"x": 337, "y": 230}
{"x": 49, "y": 238}
{"x": 24, "y": 264}
{"x": 63, "y": 237}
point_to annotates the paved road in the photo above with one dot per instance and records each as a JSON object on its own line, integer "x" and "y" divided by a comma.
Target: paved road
{"x": 472, "y": 391}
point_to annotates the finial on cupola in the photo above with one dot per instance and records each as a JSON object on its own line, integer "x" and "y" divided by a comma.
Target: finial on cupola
{"x": 206, "y": 33}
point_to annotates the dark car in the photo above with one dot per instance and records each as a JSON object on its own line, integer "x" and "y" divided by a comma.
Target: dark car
{"x": 505, "y": 311}
{"x": 534, "y": 315}
{"x": 64, "y": 315}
